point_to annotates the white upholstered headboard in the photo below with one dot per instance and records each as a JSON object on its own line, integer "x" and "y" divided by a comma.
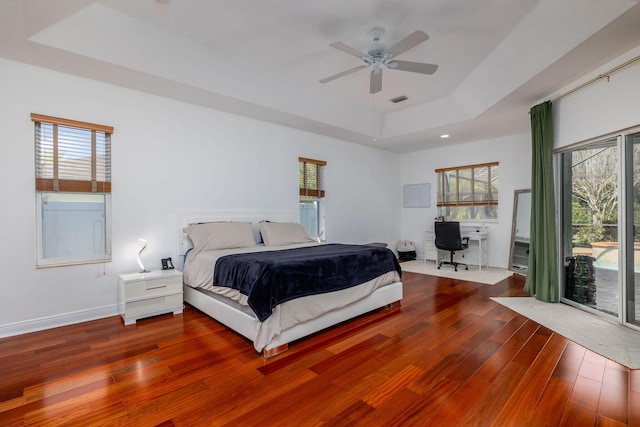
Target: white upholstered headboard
{"x": 184, "y": 218}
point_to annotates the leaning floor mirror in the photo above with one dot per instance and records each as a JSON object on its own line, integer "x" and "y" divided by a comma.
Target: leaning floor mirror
{"x": 520, "y": 232}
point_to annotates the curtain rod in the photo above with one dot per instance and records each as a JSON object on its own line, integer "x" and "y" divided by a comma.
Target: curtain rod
{"x": 595, "y": 79}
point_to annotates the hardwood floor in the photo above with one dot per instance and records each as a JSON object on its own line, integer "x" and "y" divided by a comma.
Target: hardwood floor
{"x": 450, "y": 356}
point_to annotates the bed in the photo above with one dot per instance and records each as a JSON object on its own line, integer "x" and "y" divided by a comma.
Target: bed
{"x": 231, "y": 237}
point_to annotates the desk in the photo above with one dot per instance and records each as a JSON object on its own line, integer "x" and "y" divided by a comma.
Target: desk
{"x": 481, "y": 238}
{"x": 475, "y": 234}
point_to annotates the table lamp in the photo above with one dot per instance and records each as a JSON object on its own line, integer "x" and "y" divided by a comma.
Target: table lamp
{"x": 144, "y": 246}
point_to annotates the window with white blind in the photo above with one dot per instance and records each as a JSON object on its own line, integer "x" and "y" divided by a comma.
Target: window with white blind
{"x": 73, "y": 191}
{"x": 311, "y": 179}
{"x": 468, "y": 192}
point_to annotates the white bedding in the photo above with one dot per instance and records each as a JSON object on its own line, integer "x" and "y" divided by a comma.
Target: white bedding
{"x": 198, "y": 273}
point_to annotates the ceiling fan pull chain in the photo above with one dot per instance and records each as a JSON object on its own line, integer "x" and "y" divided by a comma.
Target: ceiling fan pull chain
{"x": 373, "y": 96}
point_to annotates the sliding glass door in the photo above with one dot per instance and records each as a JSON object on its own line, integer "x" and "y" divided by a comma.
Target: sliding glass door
{"x": 590, "y": 234}
{"x": 632, "y": 232}
{"x": 600, "y": 207}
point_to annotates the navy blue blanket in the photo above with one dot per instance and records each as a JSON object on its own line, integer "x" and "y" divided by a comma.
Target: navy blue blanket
{"x": 273, "y": 277}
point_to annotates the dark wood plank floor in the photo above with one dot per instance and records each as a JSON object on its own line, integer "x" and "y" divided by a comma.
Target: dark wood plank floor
{"x": 449, "y": 357}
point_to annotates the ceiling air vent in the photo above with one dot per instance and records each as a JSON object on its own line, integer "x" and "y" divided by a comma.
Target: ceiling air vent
{"x": 399, "y": 99}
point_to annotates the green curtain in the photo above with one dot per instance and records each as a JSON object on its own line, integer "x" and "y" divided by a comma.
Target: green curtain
{"x": 542, "y": 273}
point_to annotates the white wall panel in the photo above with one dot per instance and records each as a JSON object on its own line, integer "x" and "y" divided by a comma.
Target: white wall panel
{"x": 514, "y": 155}
{"x": 605, "y": 106}
{"x": 166, "y": 156}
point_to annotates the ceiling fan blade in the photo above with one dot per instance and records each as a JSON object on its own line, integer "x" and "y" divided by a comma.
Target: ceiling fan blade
{"x": 407, "y": 43}
{"x": 414, "y": 67}
{"x": 348, "y": 49}
{"x": 376, "y": 81}
{"x": 344, "y": 73}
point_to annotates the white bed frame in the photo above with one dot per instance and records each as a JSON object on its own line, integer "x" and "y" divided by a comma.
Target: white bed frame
{"x": 242, "y": 322}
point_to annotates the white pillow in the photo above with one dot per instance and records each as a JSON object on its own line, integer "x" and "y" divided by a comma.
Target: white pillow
{"x": 221, "y": 235}
{"x": 283, "y": 233}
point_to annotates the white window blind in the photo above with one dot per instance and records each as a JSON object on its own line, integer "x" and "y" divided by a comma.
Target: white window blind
{"x": 312, "y": 177}
{"x": 72, "y": 156}
{"x": 468, "y": 185}
{"x": 468, "y": 192}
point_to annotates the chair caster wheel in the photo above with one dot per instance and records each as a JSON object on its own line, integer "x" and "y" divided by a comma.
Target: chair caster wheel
{"x": 466, "y": 268}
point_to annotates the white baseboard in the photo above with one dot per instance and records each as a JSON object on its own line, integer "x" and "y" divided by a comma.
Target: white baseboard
{"x": 48, "y": 322}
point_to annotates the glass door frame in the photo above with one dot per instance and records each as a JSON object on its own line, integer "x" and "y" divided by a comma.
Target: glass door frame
{"x": 624, "y": 143}
{"x": 630, "y": 306}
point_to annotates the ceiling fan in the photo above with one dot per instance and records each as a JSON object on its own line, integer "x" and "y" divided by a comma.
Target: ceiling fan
{"x": 378, "y": 55}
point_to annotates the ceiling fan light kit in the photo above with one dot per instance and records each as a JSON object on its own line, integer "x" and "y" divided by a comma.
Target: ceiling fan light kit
{"x": 377, "y": 55}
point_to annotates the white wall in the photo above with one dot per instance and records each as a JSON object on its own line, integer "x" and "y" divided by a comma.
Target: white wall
{"x": 514, "y": 155}
{"x": 166, "y": 156}
{"x": 169, "y": 156}
{"x": 603, "y": 107}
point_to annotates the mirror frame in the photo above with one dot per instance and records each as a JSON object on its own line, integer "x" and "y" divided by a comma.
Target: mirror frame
{"x": 516, "y": 195}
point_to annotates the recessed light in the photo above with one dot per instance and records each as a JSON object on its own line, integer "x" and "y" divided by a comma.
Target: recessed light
{"x": 445, "y": 136}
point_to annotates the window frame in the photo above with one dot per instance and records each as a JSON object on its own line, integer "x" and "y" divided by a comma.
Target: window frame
{"x": 467, "y": 199}
{"x": 317, "y": 194}
{"x": 90, "y": 176}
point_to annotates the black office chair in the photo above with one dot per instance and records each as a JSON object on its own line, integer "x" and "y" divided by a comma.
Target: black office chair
{"x": 448, "y": 238}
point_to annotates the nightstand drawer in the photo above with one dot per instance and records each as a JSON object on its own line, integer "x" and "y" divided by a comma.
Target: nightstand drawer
{"x": 151, "y": 306}
{"x": 150, "y": 288}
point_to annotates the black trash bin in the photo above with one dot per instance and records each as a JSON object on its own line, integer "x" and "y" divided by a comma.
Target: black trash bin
{"x": 580, "y": 283}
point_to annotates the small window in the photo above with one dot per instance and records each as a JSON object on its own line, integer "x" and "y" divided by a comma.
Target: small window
{"x": 73, "y": 191}
{"x": 311, "y": 177}
{"x": 468, "y": 192}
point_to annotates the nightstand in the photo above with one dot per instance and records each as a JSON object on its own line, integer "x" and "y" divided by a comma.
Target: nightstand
{"x": 148, "y": 294}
